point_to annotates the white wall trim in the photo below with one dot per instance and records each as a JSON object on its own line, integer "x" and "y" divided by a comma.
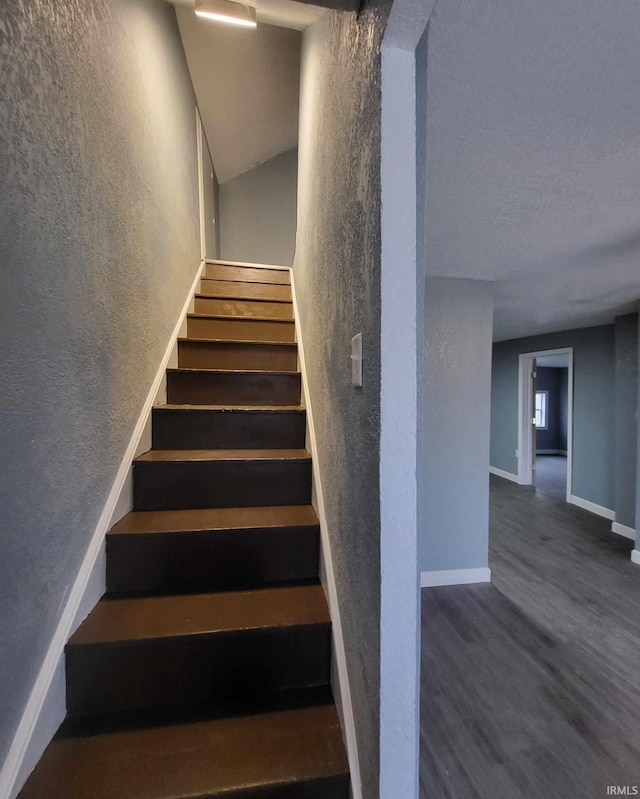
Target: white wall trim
{"x": 46, "y": 705}
{"x": 622, "y": 529}
{"x": 599, "y": 510}
{"x": 201, "y": 203}
{"x": 503, "y": 474}
{"x": 432, "y": 579}
{"x": 247, "y": 263}
{"x": 635, "y": 556}
{"x": 339, "y": 670}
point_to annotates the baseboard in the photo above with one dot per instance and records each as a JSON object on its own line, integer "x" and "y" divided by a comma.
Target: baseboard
{"x": 599, "y": 510}
{"x": 432, "y": 579}
{"x": 46, "y": 706}
{"x": 635, "y": 556}
{"x": 339, "y": 672}
{"x": 505, "y": 475}
{"x": 622, "y": 529}
{"x": 551, "y": 452}
{"x": 224, "y": 262}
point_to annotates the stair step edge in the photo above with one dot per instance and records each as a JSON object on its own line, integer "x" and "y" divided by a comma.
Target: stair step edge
{"x": 244, "y": 342}
{"x": 265, "y": 518}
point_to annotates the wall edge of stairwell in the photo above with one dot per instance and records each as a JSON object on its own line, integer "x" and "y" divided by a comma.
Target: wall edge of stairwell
{"x": 46, "y": 706}
{"x": 339, "y": 672}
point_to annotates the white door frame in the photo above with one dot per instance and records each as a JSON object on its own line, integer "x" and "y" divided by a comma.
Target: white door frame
{"x": 402, "y": 332}
{"x": 526, "y": 411}
{"x": 199, "y": 151}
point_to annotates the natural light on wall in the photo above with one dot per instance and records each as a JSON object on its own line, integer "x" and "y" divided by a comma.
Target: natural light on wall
{"x": 226, "y": 11}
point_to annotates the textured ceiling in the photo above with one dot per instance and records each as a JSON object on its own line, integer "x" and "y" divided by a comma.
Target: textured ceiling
{"x": 533, "y": 157}
{"x": 247, "y": 83}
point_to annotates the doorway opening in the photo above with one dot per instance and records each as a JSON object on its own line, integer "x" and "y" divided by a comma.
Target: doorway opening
{"x": 545, "y": 431}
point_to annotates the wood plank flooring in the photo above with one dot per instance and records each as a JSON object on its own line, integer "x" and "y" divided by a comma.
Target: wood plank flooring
{"x": 530, "y": 685}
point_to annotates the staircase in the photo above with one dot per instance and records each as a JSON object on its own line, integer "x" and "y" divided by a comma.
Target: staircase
{"x": 204, "y": 671}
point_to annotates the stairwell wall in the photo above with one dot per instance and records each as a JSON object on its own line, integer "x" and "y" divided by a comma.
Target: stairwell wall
{"x": 99, "y": 243}
{"x": 258, "y": 212}
{"x": 337, "y": 276}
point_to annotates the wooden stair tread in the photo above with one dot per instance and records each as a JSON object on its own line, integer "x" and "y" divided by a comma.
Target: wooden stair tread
{"x": 198, "y": 614}
{"x": 198, "y": 295}
{"x": 190, "y": 455}
{"x": 200, "y": 519}
{"x": 240, "y": 318}
{"x": 233, "y": 408}
{"x": 241, "y": 341}
{"x": 242, "y": 280}
{"x": 232, "y": 371}
{"x": 211, "y": 758}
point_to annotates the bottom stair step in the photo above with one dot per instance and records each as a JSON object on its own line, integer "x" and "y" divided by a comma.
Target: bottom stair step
{"x": 294, "y": 754}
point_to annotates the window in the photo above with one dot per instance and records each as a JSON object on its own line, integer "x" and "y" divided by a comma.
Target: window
{"x": 542, "y": 406}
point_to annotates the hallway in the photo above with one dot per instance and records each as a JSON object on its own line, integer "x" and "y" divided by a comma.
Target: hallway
{"x": 551, "y": 476}
{"x": 529, "y": 685}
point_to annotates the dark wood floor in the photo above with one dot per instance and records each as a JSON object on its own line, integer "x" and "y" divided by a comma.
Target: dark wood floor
{"x": 531, "y": 685}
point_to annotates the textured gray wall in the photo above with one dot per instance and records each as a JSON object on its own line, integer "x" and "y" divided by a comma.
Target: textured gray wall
{"x": 593, "y": 406}
{"x": 258, "y": 212}
{"x": 99, "y": 243}
{"x": 457, "y": 410}
{"x": 626, "y": 404}
{"x": 550, "y": 379}
{"x": 337, "y": 274}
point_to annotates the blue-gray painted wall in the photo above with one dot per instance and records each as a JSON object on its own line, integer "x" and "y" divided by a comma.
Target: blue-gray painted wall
{"x": 258, "y": 212}
{"x": 593, "y": 415}
{"x": 99, "y": 244}
{"x": 456, "y": 413}
{"x": 626, "y": 381}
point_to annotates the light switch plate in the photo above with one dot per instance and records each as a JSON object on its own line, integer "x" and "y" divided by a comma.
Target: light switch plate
{"x": 356, "y": 360}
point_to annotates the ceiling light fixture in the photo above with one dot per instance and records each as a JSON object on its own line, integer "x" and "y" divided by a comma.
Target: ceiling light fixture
{"x": 226, "y": 11}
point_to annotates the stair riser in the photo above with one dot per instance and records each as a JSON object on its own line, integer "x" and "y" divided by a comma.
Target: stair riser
{"x": 247, "y": 274}
{"x": 185, "y": 388}
{"x": 221, "y": 560}
{"x": 240, "y": 329}
{"x": 245, "y": 291}
{"x": 220, "y": 484}
{"x": 272, "y": 310}
{"x": 189, "y": 429}
{"x": 201, "y": 355}
{"x": 319, "y": 788}
{"x": 155, "y": 672}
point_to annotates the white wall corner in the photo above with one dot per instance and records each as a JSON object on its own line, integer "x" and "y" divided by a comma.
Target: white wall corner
{"x": 431, "y": 579}
{"x": 46, "y": 706}
{"x": 599, "y": 510}
{"x": 622, "y": 529}
{"x": 505, "y": 475}
{"x": 401, "y": 309}
{"x": 339, "y": 671}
